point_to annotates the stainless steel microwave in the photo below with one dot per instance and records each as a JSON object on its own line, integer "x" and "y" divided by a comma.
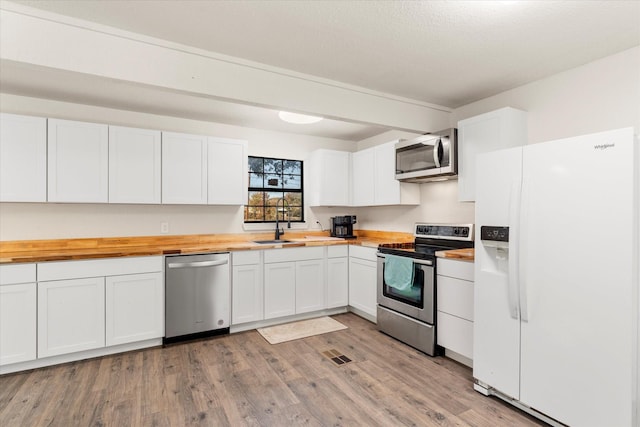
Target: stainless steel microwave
{"x": 430, "y": 157}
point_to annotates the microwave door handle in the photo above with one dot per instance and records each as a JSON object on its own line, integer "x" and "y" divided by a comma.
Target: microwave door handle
{"x": 436, "y": 152}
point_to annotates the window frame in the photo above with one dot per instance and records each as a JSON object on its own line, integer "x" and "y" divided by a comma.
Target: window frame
{"x": 263, "y": 189}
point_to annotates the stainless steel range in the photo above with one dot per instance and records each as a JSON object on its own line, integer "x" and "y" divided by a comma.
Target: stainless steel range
{"x": 407, "y": 285}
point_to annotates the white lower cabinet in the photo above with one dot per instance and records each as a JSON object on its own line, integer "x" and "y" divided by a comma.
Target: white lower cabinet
{"x": 293, "y": 281}
{"x": 17, "y": 313}
{"x": 134, "y": 308}
{"x": 70, "y": 316}
{"x": 363, "y": 274}
{"x": 455, "y": 306}
{"x": 247, "y": 287}
{"x": 310, "y": 288}
{"x": 97, "y": 304}
{"x": 337, "y": 276}
{"x": 279, "y": 289}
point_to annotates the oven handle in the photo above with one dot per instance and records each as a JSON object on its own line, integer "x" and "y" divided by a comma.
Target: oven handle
{"x": 415, "y": 261}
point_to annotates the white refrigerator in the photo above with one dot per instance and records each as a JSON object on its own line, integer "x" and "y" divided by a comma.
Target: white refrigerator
{"x": 556, "y": 293}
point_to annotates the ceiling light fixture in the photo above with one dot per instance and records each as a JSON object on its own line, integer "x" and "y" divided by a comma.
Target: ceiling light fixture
{"x": 299, "y": 119}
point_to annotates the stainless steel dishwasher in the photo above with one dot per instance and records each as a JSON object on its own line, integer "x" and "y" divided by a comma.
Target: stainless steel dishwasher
{"x": 197, "y": 296}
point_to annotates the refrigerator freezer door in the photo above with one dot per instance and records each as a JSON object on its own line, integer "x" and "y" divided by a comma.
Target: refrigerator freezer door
{"x": 576, "y": 258}
{"x": 496, "y": 330}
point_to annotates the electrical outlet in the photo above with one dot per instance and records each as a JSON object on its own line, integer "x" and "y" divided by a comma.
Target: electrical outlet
{"x": 164, "y": 227}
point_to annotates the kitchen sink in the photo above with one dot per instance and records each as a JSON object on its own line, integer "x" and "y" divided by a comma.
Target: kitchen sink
{"x": 271, "y": 242}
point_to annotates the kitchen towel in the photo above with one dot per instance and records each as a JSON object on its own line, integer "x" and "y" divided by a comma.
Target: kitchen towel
{"x": 398, "y": 272}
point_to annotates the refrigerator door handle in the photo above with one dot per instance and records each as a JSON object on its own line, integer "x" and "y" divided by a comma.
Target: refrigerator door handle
{"x": 513, "y": 255}
{"x": 522, "y": 273}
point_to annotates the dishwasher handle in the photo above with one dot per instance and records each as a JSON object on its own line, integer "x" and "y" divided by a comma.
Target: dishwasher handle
{"x": 198, "y": 264}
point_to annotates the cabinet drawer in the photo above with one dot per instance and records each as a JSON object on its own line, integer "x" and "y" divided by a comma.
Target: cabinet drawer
{"x": 455, "y": 334}
{"x": 456, "y": 268}
{"x": 363, "y": 252}
{"x": 98, "y": 267}
{"x": 245, "y": 257}
{"x": 293, "y": 254}
{"x": 17, "y": 273}
{"x": 455, "y": 297}
{"x": 337, "y": 251}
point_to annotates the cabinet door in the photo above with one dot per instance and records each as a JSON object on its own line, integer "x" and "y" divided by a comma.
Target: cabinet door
{"x": 184, "y": 169}
{"x": 362, "y": 285}
{"x": 455, "y": 334}
{"x": 363, "y": 178}
{"x": 328, "y": 175}
{"x": 70, "y": 316}
{"x": 134, "y": 165}
{"x": 248, "y": 294}
{"x": 503, "y": 128}
{"x": 337, "y": 282}
{"x": 227, "y": 172}
{"x": 310, "y": 287}
{"x": 78, "y": 161}
{"x": 134, "y": 308}
{"x": 387, "y": 187}
{"x": 17, "y": 323}
{"x": 23, "y": 158}
{"x": 279, "y": 289}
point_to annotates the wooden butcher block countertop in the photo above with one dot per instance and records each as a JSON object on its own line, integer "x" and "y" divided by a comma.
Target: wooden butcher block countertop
{"x": 18, "y": 251}
{"x": 459, "y": 254}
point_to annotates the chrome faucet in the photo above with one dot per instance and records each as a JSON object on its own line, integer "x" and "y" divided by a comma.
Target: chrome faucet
{"x": 285, "y": 204}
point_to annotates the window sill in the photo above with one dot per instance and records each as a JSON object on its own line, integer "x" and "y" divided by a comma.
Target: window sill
{"x": 271, "y": 226}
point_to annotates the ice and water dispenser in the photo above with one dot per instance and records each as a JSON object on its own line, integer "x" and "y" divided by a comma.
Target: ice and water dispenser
{"x": 496, "y": 243}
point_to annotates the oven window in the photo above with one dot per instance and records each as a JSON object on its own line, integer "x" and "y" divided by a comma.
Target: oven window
{"x": 414, "y": 295}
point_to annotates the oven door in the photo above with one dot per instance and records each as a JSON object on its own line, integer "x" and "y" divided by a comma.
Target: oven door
{"x": 418, "y": 301}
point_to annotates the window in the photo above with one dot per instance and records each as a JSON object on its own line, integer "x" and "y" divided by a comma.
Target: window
{"x": 270, "y": 182}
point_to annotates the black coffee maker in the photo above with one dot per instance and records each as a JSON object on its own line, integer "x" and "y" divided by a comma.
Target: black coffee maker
{"x": 342, "y": 226}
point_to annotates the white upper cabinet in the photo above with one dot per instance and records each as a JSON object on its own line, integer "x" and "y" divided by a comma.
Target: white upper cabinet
{"x": 363, "y": 177}
{"x": 78, "y": 161}
{"x": 227, "y": 171}
{"x": 374, "y": 179}
{"x": 134, "y": 165}
{"x": 23, "y": 158}
{"x": 503, "y": 128}
{"x": 184, "y": 168}
{"x": 328, "y": 176}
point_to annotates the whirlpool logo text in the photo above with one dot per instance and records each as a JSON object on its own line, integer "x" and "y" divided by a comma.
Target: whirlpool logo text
{"x": 603, "y": 146}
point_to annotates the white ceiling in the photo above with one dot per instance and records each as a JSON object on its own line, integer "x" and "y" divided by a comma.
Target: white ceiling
{"x": 448, "y": 53}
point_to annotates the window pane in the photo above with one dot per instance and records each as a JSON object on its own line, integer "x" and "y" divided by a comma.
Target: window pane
{"x": 272, "y": 181}
{"x": 292, "y": 167}
{"x": 294, "y": 199}
{"x": 292, "y": 181}
{"x": 273, "y": 166}
{"x": 296, "y": 213}
{"x": 256, "y": 180}
{"x": 270, "y": 214}
{"x": 252, "y": 213}
{"x": 272, "y": 197}
{"x": 256, "y": 198}
{"x": 256, "y": 164}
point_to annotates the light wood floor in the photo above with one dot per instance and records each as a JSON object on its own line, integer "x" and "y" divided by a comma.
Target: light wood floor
{"x": 241, "y": 380}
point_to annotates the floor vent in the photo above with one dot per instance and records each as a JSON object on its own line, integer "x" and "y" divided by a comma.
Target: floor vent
{"x": 336, "y": 357}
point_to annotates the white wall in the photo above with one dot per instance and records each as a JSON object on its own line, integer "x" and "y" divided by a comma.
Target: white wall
{"x": 23, "y": 221}
{"x": 598, "y": 96}
{"x": 595, "y": 97}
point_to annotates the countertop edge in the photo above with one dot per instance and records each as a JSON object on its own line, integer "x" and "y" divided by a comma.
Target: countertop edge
{"x": 61, "y": 254}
